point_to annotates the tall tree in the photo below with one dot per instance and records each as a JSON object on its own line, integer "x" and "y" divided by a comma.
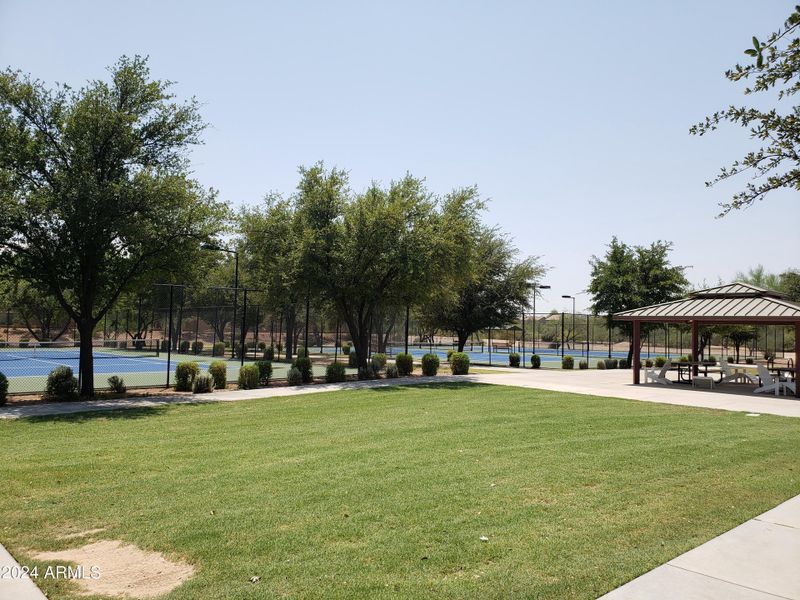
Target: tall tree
{"x": 760, "y": 277}
{"x": 94, "y": 189}
{"x": 496, "y": 290}
{"x": 773, "y": 73}
{"x": 41, "y": 314}
{"x": 629, "y": 277}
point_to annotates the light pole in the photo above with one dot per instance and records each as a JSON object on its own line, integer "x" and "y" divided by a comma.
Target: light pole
{"x": 573, "y": 312}
{"x": 215, "y": 248}
{"x": 535, "y": 287}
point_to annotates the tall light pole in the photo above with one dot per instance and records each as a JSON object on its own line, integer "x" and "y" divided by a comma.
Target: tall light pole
{"x": 535, "y": 287}
{"x": 215, "y": 248}
{"x": 573, "y": 312}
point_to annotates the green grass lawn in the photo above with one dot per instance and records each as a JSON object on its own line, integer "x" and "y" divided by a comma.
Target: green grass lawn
{"x": 385, "y": 493}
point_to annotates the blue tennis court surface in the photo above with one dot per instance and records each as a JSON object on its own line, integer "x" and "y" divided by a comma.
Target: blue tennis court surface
{"x": 21, "y": 363}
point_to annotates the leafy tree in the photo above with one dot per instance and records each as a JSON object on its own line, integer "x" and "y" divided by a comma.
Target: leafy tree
{"x": 41, "y": 314}
{"x": 496, "y": 290}
{"x": 629, "y": 277}
{"x": 790, "y": 285}
{"x": 94, "y": 191}
{"x": 368, "y": 251}
{"x": 759, "y": 277}
{"x": 773, "y": 73}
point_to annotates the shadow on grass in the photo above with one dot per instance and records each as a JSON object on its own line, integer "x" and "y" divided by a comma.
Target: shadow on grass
{"x": 112, "y": 414}
{"x": 444, "y": 385}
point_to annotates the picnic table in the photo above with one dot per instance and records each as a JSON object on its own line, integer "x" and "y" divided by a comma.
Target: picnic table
{"x": 686, "y": 369}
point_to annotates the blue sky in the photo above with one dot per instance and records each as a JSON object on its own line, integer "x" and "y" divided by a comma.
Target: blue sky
{"x": 571, "y": 117}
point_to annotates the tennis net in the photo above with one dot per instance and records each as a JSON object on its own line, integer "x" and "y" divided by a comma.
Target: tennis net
{"x": 68, "y": 350}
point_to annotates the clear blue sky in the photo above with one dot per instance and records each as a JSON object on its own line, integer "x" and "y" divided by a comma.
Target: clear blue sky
{"x": 572, "y": 117}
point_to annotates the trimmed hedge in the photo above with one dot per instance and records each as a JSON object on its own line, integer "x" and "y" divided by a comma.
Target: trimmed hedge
{"x": 264, "y": 371}
{"x": 303, "y": 364}
{"x": 583, "y": 365}
{"x": 430, "y": 364}
{"x": 568, "y": 362}
{"x": 219, "y": 372}
{"x": 379, "y": 361}
{"x": 536, "y": 361}
{"x": 335, "y": 372}
{"x": 392, "y": 372}
{"x": 203, "y": 384}
{"x": 185, "y": 373}
{"x": 352, "y": 360}
{"x": 459, "y": 363}
{"x": 117, "y": 384}
{"x": 346, "y": 348}
{"x": 197, "y": 347}
{"x": 601, "y": 364}
{"x": 513, "y": 360}
{"x": 219, "y": 349}
{"x": 660, "y": 361}
{"x": 62, "y": 385}
{"x": 294, "y": 377}
{"x": 269, "y": 353}
{"x": 405, "y": 364}
{"x": 249, "y": 377}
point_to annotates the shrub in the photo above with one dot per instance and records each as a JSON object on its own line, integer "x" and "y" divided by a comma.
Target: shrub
{"x": 117, "y": 384}
{"x": 334, "y": 373}
{"x": 513, "y": 359}
{"x": 567, "y": 362}
{"x": 184, "y": 347}
{"x": 684, "y": 359}
{"x": 303, "y": 364}
{"x": 601, "y": 364}
{"x": 346, "y": 349}
{"x": 269, "y": 353}
{"x": 660, "y": 361}
{"x": 219, "y": 372}
{"x": 203, "y": 384}
{"x": 712, "y": 359}
{"x": 749, "y": 360}
{"x": 536, "y": 361}
{"x": 623, "y": 363}
{"x": 249, "y": 377}
{"x": 379, "y": 361}
{"x": 165, "y": 345}
{"x": 430, "y": 365}
{"x": 583, "y": 364}
{"x": 294, "y": 376}
{"x": 62, "y": 385}
{"x": 197, "y": 347}
{"x": 648, "y": 362}
{"x": 459, "y": 363}
{"x": 185, "y": 373}
{"x": 279, "y": 347}
{"x": 450, "y": 353}
{"x": 219, "y": 349}
{"x": 611, "y": 363}
{"x": 392, "y": 372}
{"x": 301, "y": 352}
{"x": 405, "y": 364}
{"x": 366, "y": 372}
{"x": 264, "y": 371}
{"x": 262, "y": 346}
{"x": 3, "y": 389}
{"x": 352, "y": 360}
{"x": 24, "y": 342}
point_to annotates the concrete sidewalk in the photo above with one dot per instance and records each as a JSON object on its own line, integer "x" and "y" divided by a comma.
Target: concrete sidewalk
{"x": 612, "y": 383}
{"x": 12, "y": 585}
{"x": 758, "y": 560}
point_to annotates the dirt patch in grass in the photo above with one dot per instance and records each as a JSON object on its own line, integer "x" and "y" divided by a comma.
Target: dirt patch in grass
{"x": 122, "y": 569}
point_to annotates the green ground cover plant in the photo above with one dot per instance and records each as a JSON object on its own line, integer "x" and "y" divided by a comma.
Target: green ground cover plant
{"x": 576, "y": 494}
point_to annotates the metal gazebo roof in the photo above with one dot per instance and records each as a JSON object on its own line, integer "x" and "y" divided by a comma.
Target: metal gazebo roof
{"x": 733, "y": 303}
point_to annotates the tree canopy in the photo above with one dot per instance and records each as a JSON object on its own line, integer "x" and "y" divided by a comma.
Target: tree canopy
{"x": 772, "y": 73}
{"x": 95, "y": 195}
{"x": 629, "y": 277}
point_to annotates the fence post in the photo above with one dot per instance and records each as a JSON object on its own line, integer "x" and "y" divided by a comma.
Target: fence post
{"x": 609, "y": 336}
{"x": 562, "y": 334}
{"x": 169, "y": 339}
{"x": 243, "y": 348}
{"x": 490, "y": 346}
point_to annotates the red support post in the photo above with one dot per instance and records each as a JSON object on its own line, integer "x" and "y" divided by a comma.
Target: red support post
{"x": 636, "y": 359}
{"x": 796, "y": 359}
{"x": 695, "y": 354}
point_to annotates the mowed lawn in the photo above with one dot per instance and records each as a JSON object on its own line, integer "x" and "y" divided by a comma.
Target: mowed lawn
{"x": 386, "y": 493}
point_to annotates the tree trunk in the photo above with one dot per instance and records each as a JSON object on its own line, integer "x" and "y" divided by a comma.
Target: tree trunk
{"x": 86, "y": 362}
{"x": 463, "y": 336}
{"x": 291, "y": 321}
